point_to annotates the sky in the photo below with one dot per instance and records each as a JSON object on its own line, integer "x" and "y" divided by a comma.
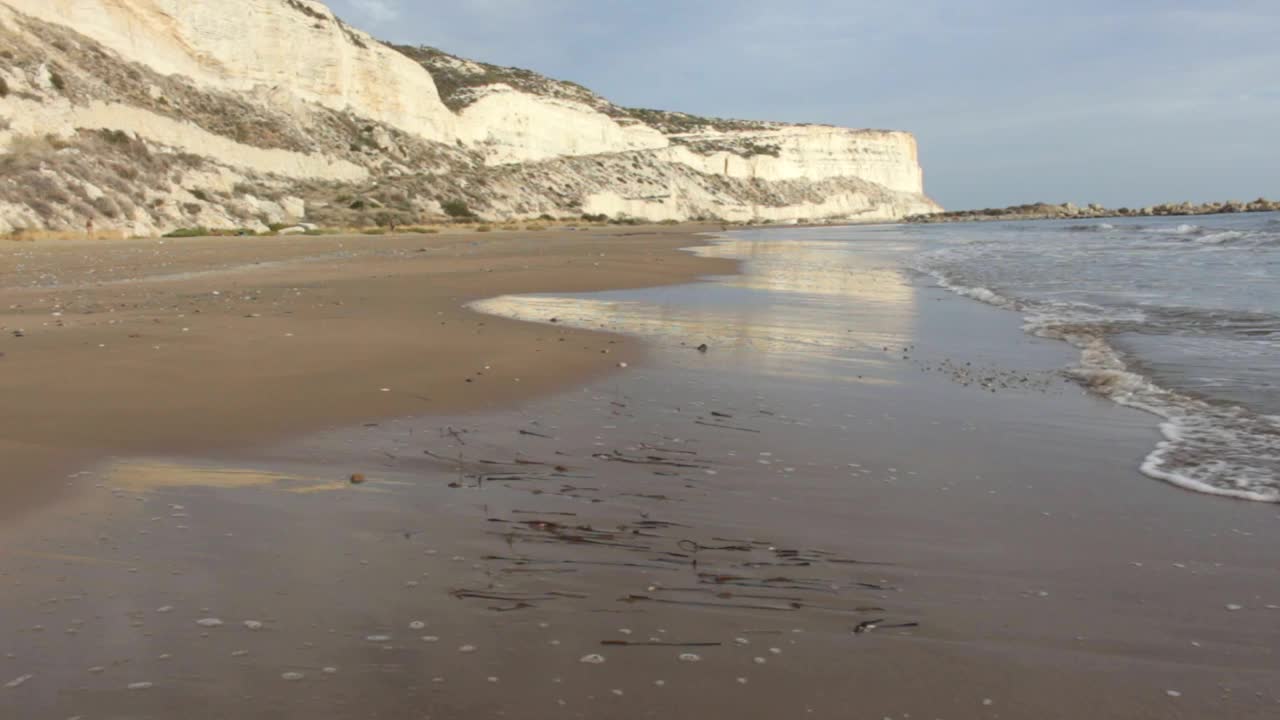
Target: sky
{"x": 1120, "y": 102}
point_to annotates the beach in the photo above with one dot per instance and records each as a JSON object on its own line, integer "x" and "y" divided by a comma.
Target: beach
{"x": 588, "y": 474}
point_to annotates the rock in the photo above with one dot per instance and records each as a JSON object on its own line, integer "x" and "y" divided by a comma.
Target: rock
{"x": 703, "y": 348}
{"x": 294, "y": 230}
{"x": 357, "y": 479}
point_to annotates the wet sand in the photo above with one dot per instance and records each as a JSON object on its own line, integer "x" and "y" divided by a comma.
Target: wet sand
{"x": 919, "y": 463}
{"x": 132, "y": 347}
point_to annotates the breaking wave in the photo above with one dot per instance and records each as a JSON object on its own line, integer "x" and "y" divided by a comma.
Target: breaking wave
{"x": 1209, "y": 445}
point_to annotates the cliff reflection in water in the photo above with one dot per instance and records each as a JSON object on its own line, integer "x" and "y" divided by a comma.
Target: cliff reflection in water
{"x": 816, "y": 308}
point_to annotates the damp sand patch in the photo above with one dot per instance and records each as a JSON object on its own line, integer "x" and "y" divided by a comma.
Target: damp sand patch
{"x": 151, "y": 475}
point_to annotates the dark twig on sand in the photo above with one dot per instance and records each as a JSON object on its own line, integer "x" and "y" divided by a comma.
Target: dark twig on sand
{"x": 725, "y": 427}
{"x": 648, "y": 460}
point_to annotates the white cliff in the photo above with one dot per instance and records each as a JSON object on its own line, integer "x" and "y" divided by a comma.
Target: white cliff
{"x": 280, "y": 95}
{"x": 296, "y": 47}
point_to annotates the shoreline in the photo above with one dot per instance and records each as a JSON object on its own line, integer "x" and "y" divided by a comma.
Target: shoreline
{"x": 183, "y": 346}
{"x": 1068, "y": 211}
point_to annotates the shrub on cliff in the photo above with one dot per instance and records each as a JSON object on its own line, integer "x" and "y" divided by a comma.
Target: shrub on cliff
{"x": 188, "y": 232}
{"x": 457, "y": 209}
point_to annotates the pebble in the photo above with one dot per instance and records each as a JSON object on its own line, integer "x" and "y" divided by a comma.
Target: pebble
{"x": 292, "y": 676}
{"x": 430, "y": 639}
{"x": 1233, "y": 607}
{"x": 417, "y": 625}
{"x": 330, "y": 671}
{"x": 253, "y": 624}
{"x": 467, "y": 649}
{"x": 690, "y": 657}
{"x": 378, "y": 638}
{"x": 759, "y": 661}
{"x": 1173, "y": 693}
{"x": 16, "y": 682}
{"x": 592, "y": 659}
{"x": 209, "y": 622}
{"x": 141, "y": 686}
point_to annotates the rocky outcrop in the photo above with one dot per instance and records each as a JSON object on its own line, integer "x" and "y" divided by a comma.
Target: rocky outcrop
{"x": 251, "y": 113}
{"x": 1048, "y": 211}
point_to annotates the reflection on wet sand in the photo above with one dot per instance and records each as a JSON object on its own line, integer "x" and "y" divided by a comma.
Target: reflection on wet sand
{"x": 148, "y": 475}
{"x": 774, "y": 318}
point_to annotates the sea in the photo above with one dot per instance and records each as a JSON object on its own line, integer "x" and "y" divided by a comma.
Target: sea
{"x": 1175, "y": 317}
{"x": 1179, "y": 317}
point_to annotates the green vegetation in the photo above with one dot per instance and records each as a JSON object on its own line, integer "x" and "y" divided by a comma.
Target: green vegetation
{"x": 188, "y": 232}
{"x": 306, "y": 10}
{"x": 457, "y": 209}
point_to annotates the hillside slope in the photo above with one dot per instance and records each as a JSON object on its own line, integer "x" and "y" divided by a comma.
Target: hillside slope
{"x": 149, "y": 115}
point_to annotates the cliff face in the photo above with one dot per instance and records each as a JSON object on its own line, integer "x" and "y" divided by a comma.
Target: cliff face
{"x": 146, "y": 115}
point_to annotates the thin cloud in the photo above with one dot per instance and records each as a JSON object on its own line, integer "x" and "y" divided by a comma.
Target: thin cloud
{"x": 377, "y": 11}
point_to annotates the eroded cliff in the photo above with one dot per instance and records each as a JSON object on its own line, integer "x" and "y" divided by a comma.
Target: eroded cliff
{"x": 148, "y": 115}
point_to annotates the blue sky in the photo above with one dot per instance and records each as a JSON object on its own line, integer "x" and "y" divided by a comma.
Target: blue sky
{"x": 1126, "y": 102}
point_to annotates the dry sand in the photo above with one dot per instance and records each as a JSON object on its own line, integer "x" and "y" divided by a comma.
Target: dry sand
{"x": 996, "y": 545}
